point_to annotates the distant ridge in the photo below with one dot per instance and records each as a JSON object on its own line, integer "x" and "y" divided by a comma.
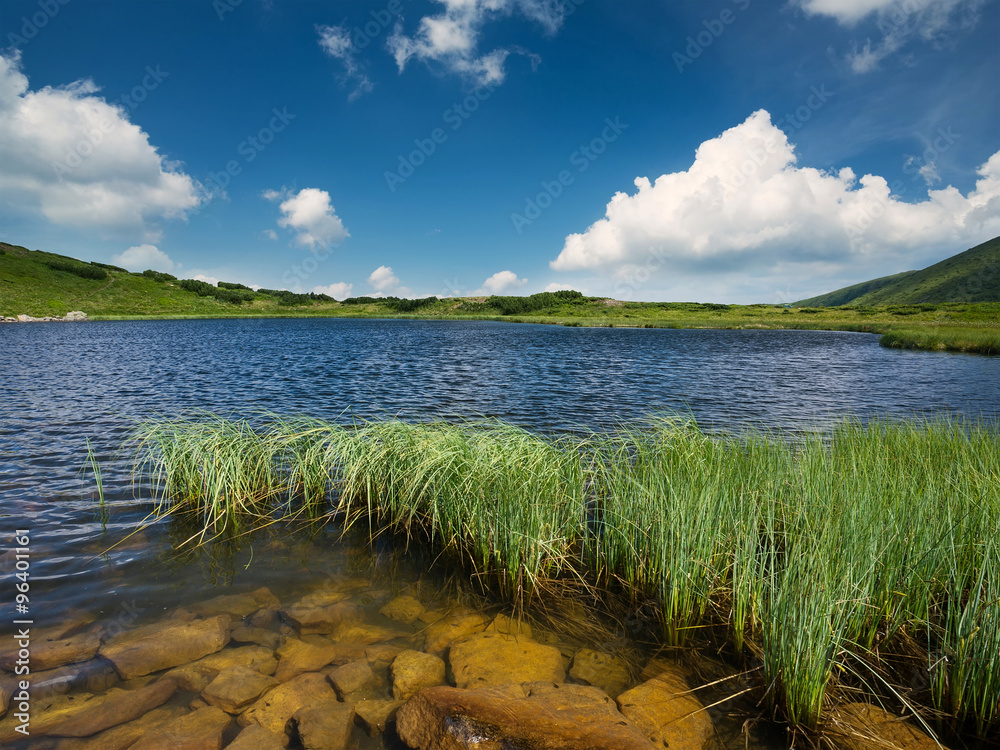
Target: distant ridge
{"x": 972, "y": 276}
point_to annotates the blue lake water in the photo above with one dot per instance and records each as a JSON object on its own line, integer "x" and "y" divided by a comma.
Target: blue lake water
{"x": 62, "y": 385}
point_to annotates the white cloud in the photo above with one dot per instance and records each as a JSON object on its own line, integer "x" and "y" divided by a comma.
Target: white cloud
{"x": 336, "y": 42}
{"x": 207, "y": 279}
{"x": 310, "y": 214}
{"x": 143, "y": 257}
{"x": 898, "y": 22}
{"x": 745, "y": 207}
{"x": 553, "y": 287}
{"x": 382, "y": 279}
{"x": 451, "y": 38}
{"x": 76, "y": 159}
{"x": 501, "y": 283}
{"x": 340, "y": 290}
{"x": 930, "y": 173}
{"x": 269, "y": 234}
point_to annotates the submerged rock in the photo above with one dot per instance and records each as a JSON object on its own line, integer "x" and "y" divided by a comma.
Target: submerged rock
{"x": 375, "y": 715}
{"x": 198, "y": 730}
{"x": 113, "y": 708}
{"x": 509, "y": 626}
{"x": 235, "y": 688}
{"x": 49, "y": 653}
{"x": 321, "y": 620}
{"x": 260, "y": 636}
{"x": 279, "y": 705}
{"x": 194, "y": 677}
{"x": 351, "y": 678}
{"x": 600, "y": 670}
{"x": 665, "y": 711}
{"x": 162, "y": 645}
{"x": 296, "y": 657}
{"x": 236, "y": 606}
{"x": 489, "y": 659}
{"x": 255, "y": 737}
{"x": 324, "y": 726}
{"x": 125, "y": 735}
{"x": 412, "y": 671}
{"x": 540, "y": 716}
{"x": 439, "y": 634}
{"x": 364, "y": 634}
{"x": 404, "y": 609}
{"x": 860, "y": 726}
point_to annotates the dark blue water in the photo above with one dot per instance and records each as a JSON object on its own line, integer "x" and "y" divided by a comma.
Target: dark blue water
{"x": 64, "y": 384}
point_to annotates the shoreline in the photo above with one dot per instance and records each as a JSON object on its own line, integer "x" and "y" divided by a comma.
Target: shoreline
{"x": 929, "y": 337}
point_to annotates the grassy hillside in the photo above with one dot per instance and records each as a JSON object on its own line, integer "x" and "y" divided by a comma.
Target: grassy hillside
{"x": 972, "y": 276}
{"x": 41, "y": 284}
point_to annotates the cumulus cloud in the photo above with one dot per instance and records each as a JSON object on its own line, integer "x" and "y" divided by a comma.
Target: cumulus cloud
{"x": 745, "y": 204}
{"x": 310, "y": 215}
{"x": 382, "y": 279}
{"x": 898, "y": 22}
{"x": 554, "y": 287}
{"x": 76, "y": 159}
{"x": 143, "y": 257}
{"x": 501, "y": 282}
{"x": 207, "y": 279}
{"x": 336, "y": 42}
{"x": 340, "y": 290}
{"x": 451, "y": 38}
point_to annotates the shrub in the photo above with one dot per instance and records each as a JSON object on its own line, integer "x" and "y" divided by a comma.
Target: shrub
{"x": 149, "y": 273}
{"x": 83, "y": 270}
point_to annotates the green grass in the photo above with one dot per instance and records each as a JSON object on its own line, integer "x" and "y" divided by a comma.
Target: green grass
{"x": 820, "y": 556}
{"x": 970, "y": 340}
{"x": 35, "y": 283}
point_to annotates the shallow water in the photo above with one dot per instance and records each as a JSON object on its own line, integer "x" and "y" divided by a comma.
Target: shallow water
{"x": 64, "y": 385}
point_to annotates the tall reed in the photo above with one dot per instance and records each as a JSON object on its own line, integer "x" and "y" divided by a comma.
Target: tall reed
{"x": 817, "y": 551}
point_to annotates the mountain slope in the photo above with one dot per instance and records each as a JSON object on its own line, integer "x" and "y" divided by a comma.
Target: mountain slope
{"x": 972, "y": 276}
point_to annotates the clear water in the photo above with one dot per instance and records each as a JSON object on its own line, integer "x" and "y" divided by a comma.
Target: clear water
{"x": 62, "y": 385}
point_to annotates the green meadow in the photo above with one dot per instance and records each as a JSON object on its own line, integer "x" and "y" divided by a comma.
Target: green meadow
{"x": 46, "y": 284}
{"x": 864, "y": 560}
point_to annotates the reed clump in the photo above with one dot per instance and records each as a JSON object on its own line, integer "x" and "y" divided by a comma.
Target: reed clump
{"x": 813, "y": 555}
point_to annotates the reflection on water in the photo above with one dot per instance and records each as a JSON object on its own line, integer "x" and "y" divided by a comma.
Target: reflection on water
{"x": 61, "y": 385}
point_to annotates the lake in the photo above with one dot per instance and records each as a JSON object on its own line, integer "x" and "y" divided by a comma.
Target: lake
{"x": 64, "y": 386}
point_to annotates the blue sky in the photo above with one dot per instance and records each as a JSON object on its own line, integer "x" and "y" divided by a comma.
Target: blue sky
{"x": 732, "y": 151}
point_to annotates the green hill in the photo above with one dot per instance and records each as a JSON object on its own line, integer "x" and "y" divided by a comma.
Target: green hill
{"x": 42, "y": 284}
{"x": 972, "y": 276}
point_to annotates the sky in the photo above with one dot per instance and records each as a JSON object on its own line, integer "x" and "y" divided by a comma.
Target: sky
{"x": 736, "y": 151}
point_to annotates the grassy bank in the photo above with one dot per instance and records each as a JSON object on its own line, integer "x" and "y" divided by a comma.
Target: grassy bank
{"x": 863, "y": 560}
{"x": 46, "y": 284}
{"x": 970, "y": 340}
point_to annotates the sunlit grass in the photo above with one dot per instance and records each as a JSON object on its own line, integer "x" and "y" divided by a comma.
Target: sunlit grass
{"x": 954, "y": 339}
{"x": 814, "y": 553}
